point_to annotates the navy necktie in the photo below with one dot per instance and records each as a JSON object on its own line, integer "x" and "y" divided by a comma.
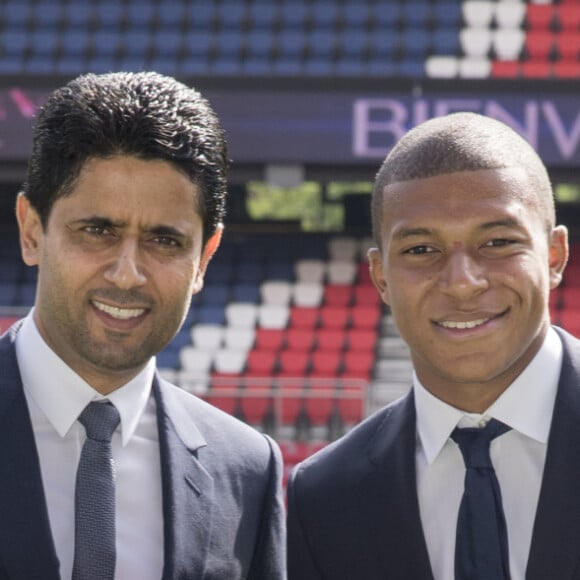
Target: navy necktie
{"x": 481, "y": 551}
{"x": 95, "y": 496}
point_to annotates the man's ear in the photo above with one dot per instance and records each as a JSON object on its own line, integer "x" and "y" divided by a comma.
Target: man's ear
{"x": 558, "y": 254}
{"x": 208, "y": 251}
{"x": 377, "y": 273}
{"x": 30, "y": 229}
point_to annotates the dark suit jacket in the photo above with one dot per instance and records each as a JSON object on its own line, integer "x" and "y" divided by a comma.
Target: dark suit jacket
{"x": 353, "y": 511}
{"x": 222, "y": 500}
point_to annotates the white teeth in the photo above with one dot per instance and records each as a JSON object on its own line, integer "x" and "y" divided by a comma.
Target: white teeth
{"x": 463, "y": 325}
{"x": 119, "y": 313}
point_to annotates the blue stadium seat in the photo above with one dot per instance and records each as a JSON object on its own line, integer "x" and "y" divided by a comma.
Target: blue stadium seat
{"x": 324, "y": 14}
{"x": 256, "y": 65}
{"x": 142, "y": 13}
{"x": 75, "y": 42}
{"x": 447, "y": 13}
{"x": 445, "y": 41}
{"x": 202, "y": 15}
{"x": 136, "y": 42}
{"x": 48, "y": 13}
{"x": 232, "y": 14}
{"x": 198, "y": 43}
{"x": 383, "y": 43}
{"x": 78, "y": 14}
{"x": 17, "y": 14}
{"x": 411, "y": 68}
{"x": 167, "y": 43}
{"x": 262, "y": 14}
{"x": 106, "y": 42}
{"x": 109, "y": 13}
{"x": 246, "y": 292}
{"x": 44, "y": 41}
{"x": 322, "y": 43}
{"x": 356, "y": 15}
{"x": 15, "y": 42}
{"x": 353, "y": 42}
{"x": 416, "y": 13}
{"x": 415, "y": 42}
{"x": 171, "y": 15}
{"x": 230, "y": 42}
{"x": 291, "y": 42}
{"x": 294, "y": 14}
{"x": 387, "y": 15}
{"x": 260, "y": 43}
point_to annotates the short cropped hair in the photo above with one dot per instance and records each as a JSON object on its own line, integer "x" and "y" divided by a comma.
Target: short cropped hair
{"x": 143, "y": 114}
{"x": 460, "y": 142}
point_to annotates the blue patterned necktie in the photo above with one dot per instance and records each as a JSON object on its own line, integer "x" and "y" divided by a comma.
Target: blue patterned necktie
{"x": 95, "y": 496}
{"x": 481, "y": 551}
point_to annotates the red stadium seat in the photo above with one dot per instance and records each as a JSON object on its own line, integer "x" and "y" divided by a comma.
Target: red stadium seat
{"x": 300, "y": 339}
{"x": 325, "y": 363}
{"x": 303, "y": 317}
{"x": 505, "y": 69}
{"x": 269, "y": 338}
{"x": 365, "y": 316}
{"x": 261, "y": 362}
{"x": 364, "y": 339}
{"x": 338, "y": 294}
{"x": 539, "y": 44}
{"x": 566, "y": 69}
{"x": 537, "y": 69}
{"x": 334, "y": 316}
{"x": 568, "y": 16}
{"x": 332, "y": 339}
{"x": 540, "y": 16}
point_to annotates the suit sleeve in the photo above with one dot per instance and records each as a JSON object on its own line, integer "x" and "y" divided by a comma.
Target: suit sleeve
{"x": 300, "y": 563}
{"x": 269, "y": 561}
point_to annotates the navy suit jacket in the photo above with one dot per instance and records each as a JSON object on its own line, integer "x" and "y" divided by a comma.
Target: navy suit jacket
{"x": 353, "y": 510}
{"x": 221, "y": 480}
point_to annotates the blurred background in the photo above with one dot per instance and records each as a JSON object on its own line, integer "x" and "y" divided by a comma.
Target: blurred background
{"x": 289, "y": 334}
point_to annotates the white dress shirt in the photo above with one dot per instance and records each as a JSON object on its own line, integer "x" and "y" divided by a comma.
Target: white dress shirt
{"x": 518, "y": 457}
{"x": 56, "y": 395}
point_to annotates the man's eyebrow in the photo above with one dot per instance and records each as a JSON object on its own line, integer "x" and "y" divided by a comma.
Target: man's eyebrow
{"x": 164, "y": 230}
{"x": 101, "y": 221}
{"x": 501, "y": 223}
{"x": 405, "y": 233}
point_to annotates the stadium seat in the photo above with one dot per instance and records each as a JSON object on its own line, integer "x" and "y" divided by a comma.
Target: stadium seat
{"x": 478, "y": 13}
{"x": 441, "y": 67}
{"x": 540, "y": 15}
{"x": 261, "y": 362}
{"x": 230, "y": 361}
{"x": 475, "y": 42}
{"x": 293, "y": 363}
{"x": 510, "y": 14}
{"x": 338, "y": 294}
{"x": 276, "y": 292}
{"x": 341, "y": 271}
{"x": 330, "y": 339}
{"x": 207, "y": 336}
{"x": 310, "y": 270}
{"x": 304, "y": 317}
{"x": 508, "y": 43}
{"x": 539, "y": 44}
{"x": 300, "y": 339}
{"x": 334, "y": 316}
{"x": 568, "y": 16}
{"x": 270, "y": 338}
{"x": 567, "y": 45}
{"x": 364, "y": 339}
{"x": 307, "y": 293}
{"x": 237, "y": 337}
{"x": 243, "y": 314}
{"x": 273, "y": 315}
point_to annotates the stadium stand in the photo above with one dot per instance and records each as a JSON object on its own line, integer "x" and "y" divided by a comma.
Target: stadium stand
{"x": 412, "y": 38}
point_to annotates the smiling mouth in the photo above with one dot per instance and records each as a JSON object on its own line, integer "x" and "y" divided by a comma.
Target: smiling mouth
{"x": 463, "y": 324}
{"x": 119, "y": 313}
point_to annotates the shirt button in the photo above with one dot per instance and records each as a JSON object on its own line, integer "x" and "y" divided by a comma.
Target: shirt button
{"x": 482, "y": 423}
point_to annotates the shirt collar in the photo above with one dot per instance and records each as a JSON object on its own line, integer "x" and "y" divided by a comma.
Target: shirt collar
{"x": 526, "y": 405}
{"x": 62, "y": 394}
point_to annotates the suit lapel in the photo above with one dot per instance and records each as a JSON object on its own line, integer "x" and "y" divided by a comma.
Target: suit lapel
{"x": 555, "y": 545}
{"x": 26, "y": 546}
{"x": 397, "y": 534}
{"x": 188, "y": 489}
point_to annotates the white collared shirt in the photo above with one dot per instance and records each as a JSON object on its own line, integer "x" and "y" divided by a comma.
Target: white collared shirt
{"x": 518, "y": 457}
{"x": 56, "y": 395}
